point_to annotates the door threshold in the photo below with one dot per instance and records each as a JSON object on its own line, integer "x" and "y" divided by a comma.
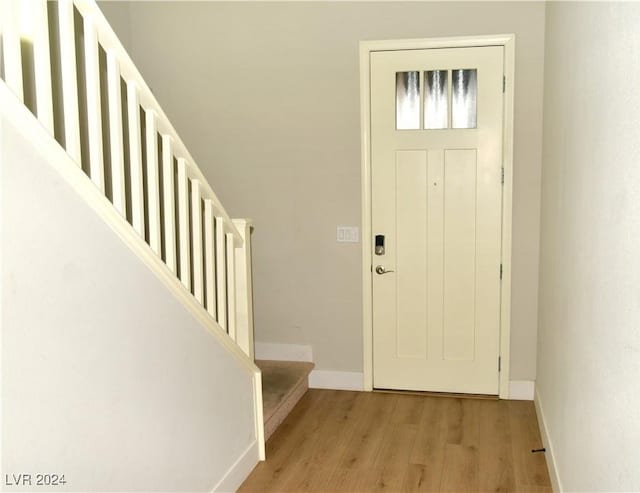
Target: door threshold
{"x": 488, "y": 397}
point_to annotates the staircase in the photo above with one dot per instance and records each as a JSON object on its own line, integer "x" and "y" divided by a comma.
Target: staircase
{"x": 69, "y": 89}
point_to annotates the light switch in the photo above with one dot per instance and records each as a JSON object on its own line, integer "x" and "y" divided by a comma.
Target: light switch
{"x": 348, "y": 234}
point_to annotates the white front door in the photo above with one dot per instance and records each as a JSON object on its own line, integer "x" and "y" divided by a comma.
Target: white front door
{"x": 436, "y": 176}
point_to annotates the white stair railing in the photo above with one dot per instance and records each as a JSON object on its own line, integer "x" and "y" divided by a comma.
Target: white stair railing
{"x": 65, "y": 63}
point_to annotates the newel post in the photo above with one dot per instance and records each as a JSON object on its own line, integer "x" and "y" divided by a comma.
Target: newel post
{"x": 244, "y": 288}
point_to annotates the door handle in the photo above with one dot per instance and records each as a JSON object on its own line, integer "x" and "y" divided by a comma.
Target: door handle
{"x": 381, "y": 270}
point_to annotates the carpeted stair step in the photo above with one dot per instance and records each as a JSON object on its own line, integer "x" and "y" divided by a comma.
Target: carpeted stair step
{"x": 283, "y": 384}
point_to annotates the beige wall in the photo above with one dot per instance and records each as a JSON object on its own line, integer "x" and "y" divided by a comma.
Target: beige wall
{"x": 266, "y": 96}
{"x": 589, "y": 342}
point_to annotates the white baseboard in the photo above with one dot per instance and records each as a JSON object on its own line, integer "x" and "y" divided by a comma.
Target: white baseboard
{"x": 240, "y": 470}
{"x": 548, "y": 445}
{"x": 336, "y": 380}
{"x": 283, "y": 352}
{"x": 521, "y": 390}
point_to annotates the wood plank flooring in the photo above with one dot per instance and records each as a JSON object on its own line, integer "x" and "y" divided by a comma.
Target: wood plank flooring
{"x": 337, "y": 441}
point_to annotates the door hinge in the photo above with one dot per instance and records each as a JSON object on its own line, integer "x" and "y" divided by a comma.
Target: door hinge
{"x": 502, "y": 176}
{"x": 500, "y": 271}
{"x": 504, "y": 83}
{"x": 499, "y": 363}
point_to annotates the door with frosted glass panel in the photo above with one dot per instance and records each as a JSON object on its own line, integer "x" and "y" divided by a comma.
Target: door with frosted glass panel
{"x": 436, "y": 157}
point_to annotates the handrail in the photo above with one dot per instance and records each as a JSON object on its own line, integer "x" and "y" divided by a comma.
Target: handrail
{"x": 162, "y": 193}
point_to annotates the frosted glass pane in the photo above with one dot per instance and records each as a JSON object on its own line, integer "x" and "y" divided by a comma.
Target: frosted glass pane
{"x": 464, "y": 90}
{"x": 407, "y": 100}
{"x": 436, "y": 99}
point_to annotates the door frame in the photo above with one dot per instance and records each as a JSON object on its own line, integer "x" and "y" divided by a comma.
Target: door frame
{"x": 366, "y": 48}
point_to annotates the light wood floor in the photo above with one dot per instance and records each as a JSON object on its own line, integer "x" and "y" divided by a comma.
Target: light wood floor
{"x": 337, "y": 441}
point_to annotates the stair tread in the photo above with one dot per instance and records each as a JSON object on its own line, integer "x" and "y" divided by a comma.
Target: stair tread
{"x": 280, "y": 379}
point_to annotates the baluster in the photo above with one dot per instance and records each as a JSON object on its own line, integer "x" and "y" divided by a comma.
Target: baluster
{"x": 69, "y": 80}
{"x": 231, "y": 287}
{"x": 209, "y": 257}
{"x": 153, "y": 181}
{"x": 196, "y": 239}
{"x": 169, "y": 205}
{"x": 221, "y": 280}
{"x": 135, "y": 158}
{"x": 115, "y": 134}
{"x": 183, "y": 223}
{"x": 11, "y": 50}
{"x": 94, "y": 112}
{"x": 42, "y": 64}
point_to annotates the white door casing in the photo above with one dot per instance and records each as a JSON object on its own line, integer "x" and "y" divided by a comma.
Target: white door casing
{"x": 440, "y": 321}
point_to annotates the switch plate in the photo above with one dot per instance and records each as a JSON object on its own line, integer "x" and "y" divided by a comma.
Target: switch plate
{"x": 348, "y": 234}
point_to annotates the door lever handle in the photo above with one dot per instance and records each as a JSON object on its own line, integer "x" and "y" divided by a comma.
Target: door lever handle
{"x": 381, "y": 270}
